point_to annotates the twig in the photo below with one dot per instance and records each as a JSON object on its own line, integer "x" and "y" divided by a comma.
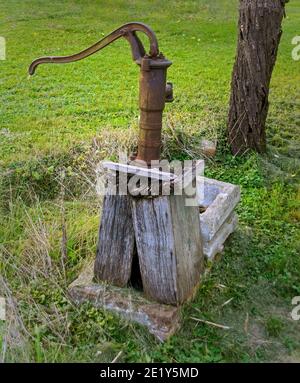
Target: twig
{"x": 64, "y": 252}
{"x": 211, "y": 323}
{"x": 226, "y": 303}
{"x": 117, "y": 357}
{"x": 246, "y": 324}
{"x": 220, "y": 286}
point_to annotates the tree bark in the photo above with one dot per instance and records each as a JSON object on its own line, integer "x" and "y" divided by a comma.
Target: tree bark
{"x": 258, "y": 40}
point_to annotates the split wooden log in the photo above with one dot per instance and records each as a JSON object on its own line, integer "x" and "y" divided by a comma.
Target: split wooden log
{"x": 169, "y": 247}
{"x": 116, "y": 241}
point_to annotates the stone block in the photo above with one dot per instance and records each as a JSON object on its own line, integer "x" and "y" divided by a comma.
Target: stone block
{"x": 161, "y": 320}
{"x": 216, "y": 244}
{"x": 217, "y": 201}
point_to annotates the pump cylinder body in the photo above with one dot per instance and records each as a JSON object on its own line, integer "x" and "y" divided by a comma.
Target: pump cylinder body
{"x": 153, "y": 77}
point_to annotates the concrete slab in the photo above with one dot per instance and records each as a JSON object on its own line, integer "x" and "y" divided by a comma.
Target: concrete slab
{"x": 218, "y": 201}
{"x": 216, "y": 244}
{"x": 161, "y": 320}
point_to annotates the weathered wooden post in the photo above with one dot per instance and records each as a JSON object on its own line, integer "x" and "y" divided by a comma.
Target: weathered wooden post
{"x": 154, "y": 235}
{"x": 163, "y": 232}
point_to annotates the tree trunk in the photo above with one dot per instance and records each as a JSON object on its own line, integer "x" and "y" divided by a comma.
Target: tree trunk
{"x": 258, "y": 41}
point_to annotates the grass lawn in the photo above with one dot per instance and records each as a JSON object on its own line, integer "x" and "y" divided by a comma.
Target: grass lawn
{"x": 56, "y": 126}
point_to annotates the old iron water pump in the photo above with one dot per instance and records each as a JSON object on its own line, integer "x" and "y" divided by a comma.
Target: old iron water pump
{"x": 160, "y": 235}
{"x": 154, "y": 91}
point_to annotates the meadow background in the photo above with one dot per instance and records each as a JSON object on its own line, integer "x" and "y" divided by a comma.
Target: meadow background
{"x": 56, "y": 126}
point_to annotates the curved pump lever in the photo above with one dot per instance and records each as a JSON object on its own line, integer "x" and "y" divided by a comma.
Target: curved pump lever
{"x": 127, "y": 31}
{"x": 154, "y": 91}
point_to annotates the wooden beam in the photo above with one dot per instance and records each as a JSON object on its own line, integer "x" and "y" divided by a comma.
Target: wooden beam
{"x": 116, "y": 241}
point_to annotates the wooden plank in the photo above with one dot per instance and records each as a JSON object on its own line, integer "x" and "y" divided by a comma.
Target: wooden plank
{"x": 189, "y": 254}
{"x": 116, "y": 241}
{"x": 139, "y": 171}
{"x": 152, "y": 223}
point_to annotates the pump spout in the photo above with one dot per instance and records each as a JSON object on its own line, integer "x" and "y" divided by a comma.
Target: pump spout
{"x": 154, "y": 91}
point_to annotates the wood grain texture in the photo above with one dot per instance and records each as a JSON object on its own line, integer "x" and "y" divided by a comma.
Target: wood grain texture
{"x": 188, "y": 245}
{"x": 169, "y": 247}
{"x": 152, "y": 223}
{"x": 116, "y": 241}
{"x": 151, "y": 243}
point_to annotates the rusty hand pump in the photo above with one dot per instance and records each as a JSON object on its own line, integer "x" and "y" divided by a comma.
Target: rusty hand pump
{"x": 154, "y": 90}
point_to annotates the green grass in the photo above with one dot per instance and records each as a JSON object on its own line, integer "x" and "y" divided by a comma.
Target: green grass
{"x": 68, "y": 117}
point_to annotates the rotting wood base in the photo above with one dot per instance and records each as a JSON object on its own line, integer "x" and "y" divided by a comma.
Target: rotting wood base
{"x": 161, "y": 320}
{"x": 153, "y": 237}
{"x": 163, "y": 234}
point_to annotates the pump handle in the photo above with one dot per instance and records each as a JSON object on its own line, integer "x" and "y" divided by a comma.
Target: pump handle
{"x": 128, "y": 31}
